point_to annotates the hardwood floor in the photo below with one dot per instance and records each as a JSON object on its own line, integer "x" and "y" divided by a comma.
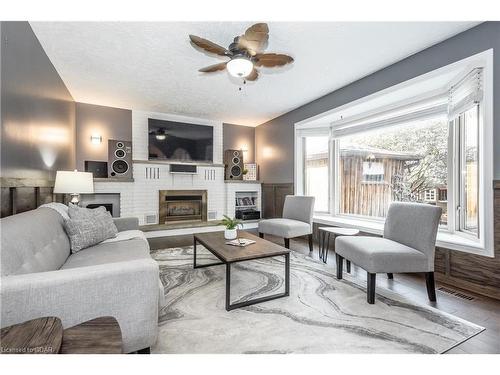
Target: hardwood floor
{"x": 481, "y": 310}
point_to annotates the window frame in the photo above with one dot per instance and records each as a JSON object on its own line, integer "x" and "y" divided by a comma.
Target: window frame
{"x": 460, "y": 197}
{"x": 335, "y": 212}
{"x": 304, "y": 179}
{"x": 449, "y": 237}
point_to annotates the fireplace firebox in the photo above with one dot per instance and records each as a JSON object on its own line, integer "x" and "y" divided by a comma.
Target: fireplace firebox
{"x": 182, "y": 205}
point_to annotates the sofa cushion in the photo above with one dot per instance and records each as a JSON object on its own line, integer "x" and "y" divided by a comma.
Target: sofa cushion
{"x": 111, "y": 252}
{"x": 375, "y": 254}
{"x": 286, "y": 228}
{"x": 33, "y": 241}
{"x": 89, "y": 227}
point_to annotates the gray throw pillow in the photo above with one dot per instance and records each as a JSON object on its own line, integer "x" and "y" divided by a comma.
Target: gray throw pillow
{"x": 88, "y": 227}
{"x": 77, "y": 212}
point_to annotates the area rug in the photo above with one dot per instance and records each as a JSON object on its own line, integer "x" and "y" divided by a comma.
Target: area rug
{"x": 321, "y": 315}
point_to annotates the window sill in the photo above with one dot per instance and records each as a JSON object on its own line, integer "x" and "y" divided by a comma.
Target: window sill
{"x": 444, "y": 239}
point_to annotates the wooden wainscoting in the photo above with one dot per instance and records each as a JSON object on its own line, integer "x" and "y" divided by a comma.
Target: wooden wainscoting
{"x": 473, "y": 272}
{"x": 273, "y": 198}
{"x": 24, "y": 194}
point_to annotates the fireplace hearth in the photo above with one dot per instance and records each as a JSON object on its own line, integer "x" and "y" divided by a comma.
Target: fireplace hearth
{"x": 182, "y": 205}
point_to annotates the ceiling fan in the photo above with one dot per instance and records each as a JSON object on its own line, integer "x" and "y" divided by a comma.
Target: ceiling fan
{"x": 246, "y": 53}
{"x": 159, "y": 134}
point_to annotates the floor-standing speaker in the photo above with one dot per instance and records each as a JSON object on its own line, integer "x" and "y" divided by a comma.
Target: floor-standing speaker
{"x": 119, "y": 159}
{"x": 233, "y": 161}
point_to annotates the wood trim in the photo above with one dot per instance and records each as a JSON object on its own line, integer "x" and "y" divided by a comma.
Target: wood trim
{"x": 13, "y": 200}
{"x": 25, "y": 182}
{"x": 24, "y": 194}
{"x": 37, "y": 196}
{"x": 473, "y": 272}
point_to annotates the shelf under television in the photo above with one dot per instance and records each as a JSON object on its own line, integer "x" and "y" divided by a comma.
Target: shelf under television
{"x": 199, "y": 164}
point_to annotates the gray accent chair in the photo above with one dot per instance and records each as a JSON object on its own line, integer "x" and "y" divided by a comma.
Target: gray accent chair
{"x": 297, "y": 220}
{"x": 408, "y": 246}
{"x": 40, "y": 277}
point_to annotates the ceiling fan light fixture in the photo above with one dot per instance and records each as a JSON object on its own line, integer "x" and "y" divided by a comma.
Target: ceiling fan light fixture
{"x": 240, "y": 67}
{"x": 160, "y": 135}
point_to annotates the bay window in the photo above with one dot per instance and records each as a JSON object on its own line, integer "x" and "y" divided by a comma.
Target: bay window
{"x": 468, "y": 165}
{"x": 430, "y": 148}
{"x": 396, "y": 163}
{"x": 316, "y": 171}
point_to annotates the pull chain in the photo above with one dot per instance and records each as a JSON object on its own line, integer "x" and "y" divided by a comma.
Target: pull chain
{"x": 244, "y": 82}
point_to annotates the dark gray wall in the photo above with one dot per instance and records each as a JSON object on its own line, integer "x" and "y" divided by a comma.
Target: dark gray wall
{"x": 240, "y": 137}
{"x": 108, "y": 122}
{"x": 38, "y": 112}
{"x": 275, "y": 139}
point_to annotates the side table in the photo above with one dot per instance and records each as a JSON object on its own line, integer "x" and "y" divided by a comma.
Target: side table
{"x": 46, "y": 336}
{"x": 36, "y": 336}
{"x": 96, "y": 336}
{"x": 324, "y": 241}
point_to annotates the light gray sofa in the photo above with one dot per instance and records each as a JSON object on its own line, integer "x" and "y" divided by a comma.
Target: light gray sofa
{"x": 40, "y": 277}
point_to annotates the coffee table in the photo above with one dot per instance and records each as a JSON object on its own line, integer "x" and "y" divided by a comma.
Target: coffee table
{"x": 228, "y": 254}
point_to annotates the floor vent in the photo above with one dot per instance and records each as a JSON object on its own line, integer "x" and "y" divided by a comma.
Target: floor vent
{"x": 454, "y": 293}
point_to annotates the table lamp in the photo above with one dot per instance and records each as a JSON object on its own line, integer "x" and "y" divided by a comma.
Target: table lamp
{"x": 74, "y": 183}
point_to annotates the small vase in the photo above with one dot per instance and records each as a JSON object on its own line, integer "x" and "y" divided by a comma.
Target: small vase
{"x": 230, "y": 234}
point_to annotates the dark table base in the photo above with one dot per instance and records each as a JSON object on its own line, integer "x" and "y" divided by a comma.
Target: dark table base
{"x": 231, "y": 306}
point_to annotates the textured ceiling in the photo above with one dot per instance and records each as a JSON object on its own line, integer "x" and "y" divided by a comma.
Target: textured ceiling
{"x": 152, "y": 66}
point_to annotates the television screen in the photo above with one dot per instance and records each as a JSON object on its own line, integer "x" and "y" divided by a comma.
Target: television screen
{"x": 178, "y": 141}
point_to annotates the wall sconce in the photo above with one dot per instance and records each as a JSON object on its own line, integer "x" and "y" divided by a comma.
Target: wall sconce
{"x": 244, "y": 149}
{"x": 96, "y": 139}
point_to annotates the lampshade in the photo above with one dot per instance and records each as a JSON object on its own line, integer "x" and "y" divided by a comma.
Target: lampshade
{"x": 240, "y": 67}
{"x": 73, "y": 182}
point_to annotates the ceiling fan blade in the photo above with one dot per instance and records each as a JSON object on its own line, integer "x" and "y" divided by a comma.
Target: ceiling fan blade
{"x": 213, "y": 68}
{"x": 255, "y": 38}
{"x": 270, "y": 60}
{"x": 253, "y": 75}
{"x": 207, "y": 45}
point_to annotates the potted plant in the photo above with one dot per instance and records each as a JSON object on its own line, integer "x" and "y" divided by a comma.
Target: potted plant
{"x": 231, "y": 225}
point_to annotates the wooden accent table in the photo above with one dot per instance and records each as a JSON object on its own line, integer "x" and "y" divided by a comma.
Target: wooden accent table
{"x": 228, "y": 254}
{"x": 37, "y": 336}
{"x": 46, "y": 336}
{"x": 96, "y": 336}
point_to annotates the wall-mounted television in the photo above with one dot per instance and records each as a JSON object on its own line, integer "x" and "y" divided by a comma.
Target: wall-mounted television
{"x": 181, "y": 142}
